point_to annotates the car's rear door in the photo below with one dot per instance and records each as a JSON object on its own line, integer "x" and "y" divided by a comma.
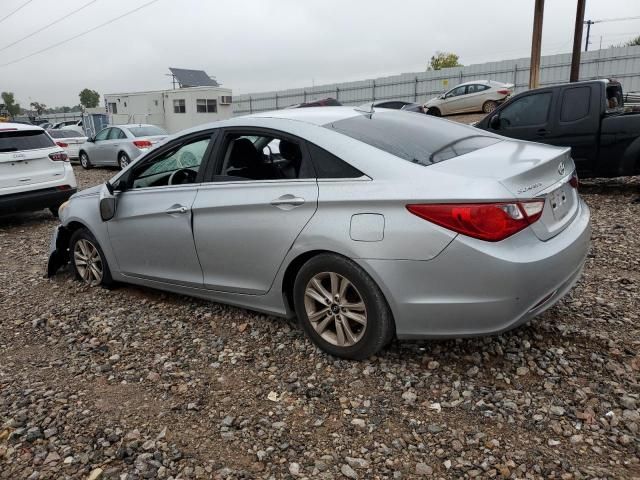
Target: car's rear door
{"x": 577, "y": 122}
{"x": 244, "y": 227}
{"x": 24, "y": 158}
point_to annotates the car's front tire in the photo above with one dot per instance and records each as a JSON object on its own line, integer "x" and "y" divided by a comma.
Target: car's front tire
{"x": 123, "y": 160}
{"x": 489, "y": 106}
{"x": 84, "y": 161}
{"x": 88, "y": 260}
{"x": 341, "y": 308}
{"x": 434, "y": 111}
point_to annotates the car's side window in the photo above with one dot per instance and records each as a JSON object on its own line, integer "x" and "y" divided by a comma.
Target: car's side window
{"x": 176, "y": 166}
{"x": 103, "y": 134}
{"x": 529, "y": 110}
{"x": 114, "y": 134}
{"x": 249, "y": 156}
{"x": 456, "y": 92}
{"x": 575, "y": 104}
{"x": 327, "y": 165}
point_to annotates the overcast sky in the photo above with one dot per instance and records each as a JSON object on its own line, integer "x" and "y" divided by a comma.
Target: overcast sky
{"x": 259, "y": 45}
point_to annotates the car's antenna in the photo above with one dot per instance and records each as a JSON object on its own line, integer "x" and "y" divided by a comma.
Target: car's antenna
{"x": 367, "y": 109}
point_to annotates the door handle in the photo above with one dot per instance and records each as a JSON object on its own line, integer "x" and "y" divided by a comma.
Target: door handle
{"x": 287, "y": 202}
{"x": 176, "y": 209}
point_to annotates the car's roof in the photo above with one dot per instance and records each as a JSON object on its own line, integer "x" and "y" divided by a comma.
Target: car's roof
{"x": 18, "y": 126}
{"x": 313, "y": 115}
{"x": 130, "y": 125}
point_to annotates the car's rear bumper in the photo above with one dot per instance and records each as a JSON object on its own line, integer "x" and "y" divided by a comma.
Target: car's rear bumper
{"x": 478, "y": 288}
{"x": 34, "y": 199}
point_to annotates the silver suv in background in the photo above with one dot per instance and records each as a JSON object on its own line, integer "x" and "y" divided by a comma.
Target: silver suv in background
{"x": 118, "y": 145}
{"x": 35, "y": 173}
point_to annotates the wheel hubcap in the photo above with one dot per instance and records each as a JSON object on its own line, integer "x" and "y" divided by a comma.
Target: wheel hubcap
{"x": 88, "y": 262}
{"x": 124, "y": 161}
{"x": 335, "y": 309}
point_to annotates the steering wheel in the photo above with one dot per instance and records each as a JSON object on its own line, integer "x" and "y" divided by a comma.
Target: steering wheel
{"x": 184, "y": 175}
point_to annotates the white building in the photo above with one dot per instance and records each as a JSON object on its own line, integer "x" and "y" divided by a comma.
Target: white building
{"x": 173, "y": 110}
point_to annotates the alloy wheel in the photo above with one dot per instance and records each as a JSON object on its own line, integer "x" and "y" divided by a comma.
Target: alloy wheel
{"x": 88, "y": 262}
{"x": 335, "y": 309}
{"x": 84, "y": 160}
{"x": 124, "y": 161}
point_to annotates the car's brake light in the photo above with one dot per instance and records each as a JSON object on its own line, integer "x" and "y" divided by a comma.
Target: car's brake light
{"x": 504, "y": 92}
{"x": 62, "y": 144}
{"x": 573, "y": 181}
{"x": 486, "y": 221}
{"x": 59, "y": 157}
{"x": 142, "y": 143}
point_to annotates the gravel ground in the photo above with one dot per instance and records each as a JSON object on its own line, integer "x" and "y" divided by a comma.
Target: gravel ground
{"x": 133, "y": 383}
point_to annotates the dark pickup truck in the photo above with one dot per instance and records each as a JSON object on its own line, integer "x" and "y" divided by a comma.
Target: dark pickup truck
{"x": 588, "y": 116}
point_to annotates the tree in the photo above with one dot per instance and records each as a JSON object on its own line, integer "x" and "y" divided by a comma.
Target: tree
{"x": 40, "y": 108}
{"x": 89, "y": 98}
{"x": 10, "y": 104}
{"x": 633, "y": 42}
{"x": 443, "y": 60}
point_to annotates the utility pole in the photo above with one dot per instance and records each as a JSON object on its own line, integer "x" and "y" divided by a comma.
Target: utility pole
{"x": 588, "y": 23}
{"x": 536, "y": 45}
{"x": 577, "y": 42}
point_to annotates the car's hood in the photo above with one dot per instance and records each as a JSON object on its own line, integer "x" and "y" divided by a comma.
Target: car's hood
{"x": 432, "y": 101}
{"x": 95, "y": 190}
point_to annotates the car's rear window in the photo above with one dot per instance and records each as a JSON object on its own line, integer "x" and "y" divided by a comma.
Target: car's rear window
{"x": 146, "y": 131}
{"x": 18, "y": 140}
{"x": 64, "y": 133}
{"x": 417, "y": 138}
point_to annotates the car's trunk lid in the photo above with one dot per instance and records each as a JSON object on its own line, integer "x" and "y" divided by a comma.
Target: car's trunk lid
{"x": 24, "y": 158}
{"x": 529, "y": 171}
{"x": 28, "y": 167}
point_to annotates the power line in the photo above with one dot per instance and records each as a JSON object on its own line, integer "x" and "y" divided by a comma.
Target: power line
{"x": 78, "y": 35}
{"x": 49, "y": 25}
{"x": 613, "y": 19}
{"x": 16, "y": 10}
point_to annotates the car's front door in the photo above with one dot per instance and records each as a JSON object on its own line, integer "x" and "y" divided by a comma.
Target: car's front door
{"x": 246, "y": 218}
{"x": 151, "y": 232}
{"x": 454, "y": 100}
{"x": 112, "y": 145}
{"x": 97, "y": 154}
{"x": 526, "y": 117}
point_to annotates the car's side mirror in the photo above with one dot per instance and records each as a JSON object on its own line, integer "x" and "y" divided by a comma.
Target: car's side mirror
{"x": 91, "y": 139}
{"x": 495, "y": 122}
{"x": 107, "y": 208}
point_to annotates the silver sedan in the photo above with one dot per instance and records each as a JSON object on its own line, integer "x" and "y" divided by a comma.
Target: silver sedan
{"x": 119, "y": 145}
{"x": 366, "y": 225}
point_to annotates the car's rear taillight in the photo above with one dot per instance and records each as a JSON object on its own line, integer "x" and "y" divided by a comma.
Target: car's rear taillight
{"x": 486, "y": 221}
{"x": 142, "y": 143}
{"x": 573, "y": 181}
{"x": 504, "y": 92}
{"x": 62, "y": 144}
{"x": 59, "y": 157}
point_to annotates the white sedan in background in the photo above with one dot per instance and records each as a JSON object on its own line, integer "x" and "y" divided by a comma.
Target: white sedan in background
{"x": 475, "y": 96}
{"x": 69, "y": 140}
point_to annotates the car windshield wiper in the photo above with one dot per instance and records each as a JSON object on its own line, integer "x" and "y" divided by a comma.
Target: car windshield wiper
{"x": 10, "y": 149}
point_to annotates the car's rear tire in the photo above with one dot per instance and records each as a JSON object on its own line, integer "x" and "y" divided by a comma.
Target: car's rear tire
{"x": 341, "y": 308}
{"x": 88, "y": 260}
{"x": 434, "y": 111}
{"x": 123, "y": 160}
{"x": 489, "y": 106}
{"x": 84, "y": 161}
